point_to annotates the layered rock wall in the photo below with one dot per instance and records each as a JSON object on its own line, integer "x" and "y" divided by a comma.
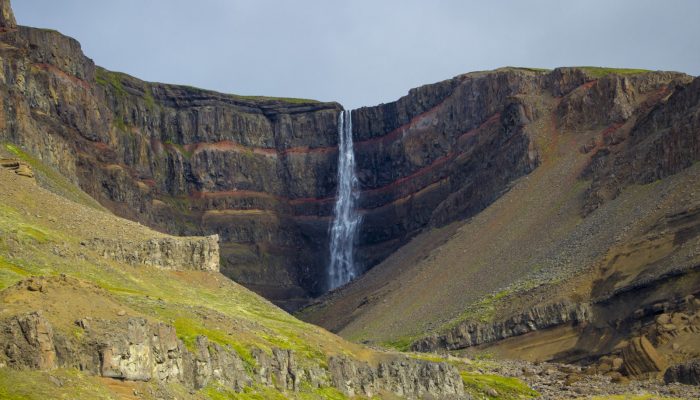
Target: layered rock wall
{"x": 140, "y": 350}
{"x": 181, "y": 253}
{"x": 470, "y": 334}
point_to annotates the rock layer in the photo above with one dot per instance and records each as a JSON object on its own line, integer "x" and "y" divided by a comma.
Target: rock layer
{"x": 140, "y": 350}
{"x": 470, "y": 333}
{"x": 178, "y": 253}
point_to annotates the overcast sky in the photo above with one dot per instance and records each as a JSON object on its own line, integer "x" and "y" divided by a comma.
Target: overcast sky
{"x": 368, "y": 51}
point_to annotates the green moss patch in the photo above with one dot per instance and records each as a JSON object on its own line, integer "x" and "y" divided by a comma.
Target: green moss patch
{"x": 110, "y": 79}
{"x": 496, "y": 387}
{"x": 599, "y": 72}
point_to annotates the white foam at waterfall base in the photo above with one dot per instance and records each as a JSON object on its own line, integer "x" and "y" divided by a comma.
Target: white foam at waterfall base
{"x": 346, "y": 219}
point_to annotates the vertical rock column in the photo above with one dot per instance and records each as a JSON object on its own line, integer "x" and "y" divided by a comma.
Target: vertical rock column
{"x": 7, "y": 17}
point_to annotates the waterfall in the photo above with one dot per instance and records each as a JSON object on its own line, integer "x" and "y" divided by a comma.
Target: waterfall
{"x": 346, "y": 220}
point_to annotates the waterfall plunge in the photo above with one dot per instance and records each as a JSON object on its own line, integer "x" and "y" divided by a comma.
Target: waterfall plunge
{"x": 346, "y": 220}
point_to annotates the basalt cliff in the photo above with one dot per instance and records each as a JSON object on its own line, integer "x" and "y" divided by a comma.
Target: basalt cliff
{"x": 261, "y": 172}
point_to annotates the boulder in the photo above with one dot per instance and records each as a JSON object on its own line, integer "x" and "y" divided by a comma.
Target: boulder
{"x": 687, "y": 373}
{"x": 640, "y": 358}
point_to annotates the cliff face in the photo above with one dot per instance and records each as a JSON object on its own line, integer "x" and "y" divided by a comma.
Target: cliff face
{"x": 183, "y": 160}
{"x": 589, "y": 140}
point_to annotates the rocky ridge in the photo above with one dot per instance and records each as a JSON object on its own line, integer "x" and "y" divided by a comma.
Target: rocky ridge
{"x": 179, "y": 253}
{"x": 136, "y": 349}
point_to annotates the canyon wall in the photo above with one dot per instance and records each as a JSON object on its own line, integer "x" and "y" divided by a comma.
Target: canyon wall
{"x": 261, "y": 172}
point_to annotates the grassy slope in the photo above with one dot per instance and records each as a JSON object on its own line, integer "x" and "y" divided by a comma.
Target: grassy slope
{"x": 105, "y": 77}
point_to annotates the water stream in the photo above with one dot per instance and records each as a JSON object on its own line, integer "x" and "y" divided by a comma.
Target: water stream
{"x": 346, "y": 219}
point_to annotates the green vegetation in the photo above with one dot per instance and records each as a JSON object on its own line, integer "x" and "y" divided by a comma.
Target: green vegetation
{"x": 483, "y": 310}
{"x": 483, "y": 387}
{"x": 120, "y": 124}
{"x": 31, "y": 385}
{"x": 401, "y": 344}
{"x": 599, "y": 72}
{"x": 282, "y": 99}
{"x": 111, "y": 79}
{"x": 531, "y": 69}
{"x": 634, "y": 397}
{"x": 52, "y": 180}
{"x": 148, "y": 98}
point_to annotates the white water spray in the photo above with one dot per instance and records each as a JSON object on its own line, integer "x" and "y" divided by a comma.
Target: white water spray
{"x": 346, "y": 220}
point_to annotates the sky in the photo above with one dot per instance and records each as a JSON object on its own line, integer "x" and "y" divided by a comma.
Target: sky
{"x": 365, "y": 52}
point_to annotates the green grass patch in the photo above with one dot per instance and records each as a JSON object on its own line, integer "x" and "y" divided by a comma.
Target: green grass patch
{"x": 531, "y": 69}
{"x": 327, "y": 393}
{"x": 480, "y": 386}
{"x": 634, "y": 397}
{"x": 188, "y": 330}
{"x": 120, "y": 124}
{"x": 402, "y": 344}
{"x": 599, "y": 72}
{"x": 26, "y": 231}
{"x": 280, "y": 99}
{"x": 255, "y": 392}
{"x": 148, "y": 98}
{"x": 31, "y": 385}
{"x": 483, "y": 310}
{"x": 109, "y": 79}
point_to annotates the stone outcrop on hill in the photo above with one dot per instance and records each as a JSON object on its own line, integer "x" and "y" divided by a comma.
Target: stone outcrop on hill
{"x": 138, "y": 349}
{"x": 640, "y": 357}
{"x": 180, "y": 253}
{"x": 469, "y": 333}
{"x": 411, "y": 378}
{"x": 21, "y": 168}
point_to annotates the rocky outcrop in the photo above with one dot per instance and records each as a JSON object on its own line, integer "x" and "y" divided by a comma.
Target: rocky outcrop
{"x": 410, "y": 378}
{"x": 661, "y": 143}
{"x": 470, "y": 333}
{"x": 141, "y": 350}
{"x": 175, "y": 253}
{"x": 29, "y": 342}
{"x": 640, "y": 357}
{"x": 687, "y": 373}
{"x": 7, "y": 17}
{"x": 20, "y": 168}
